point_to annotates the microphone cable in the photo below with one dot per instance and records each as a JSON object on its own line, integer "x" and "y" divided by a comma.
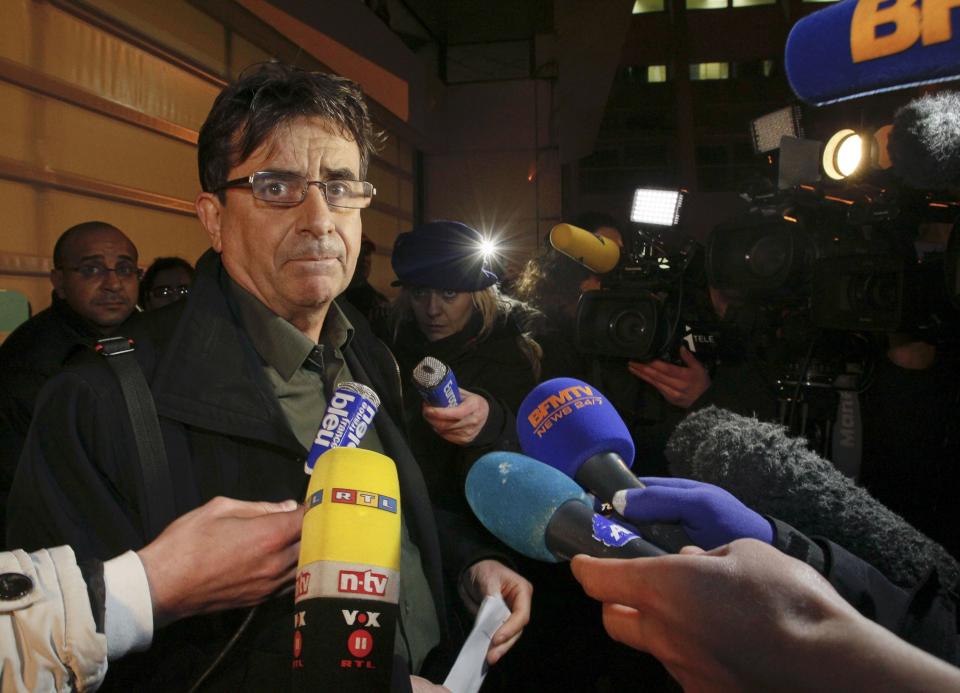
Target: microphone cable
{"x": 226, "y": 649}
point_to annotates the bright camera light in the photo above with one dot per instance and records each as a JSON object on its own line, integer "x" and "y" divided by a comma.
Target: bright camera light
{"x": 489, "y": 248}
{"x": 656, "y": 207}
{"x": 769, "y": 129}
{"x": 843, "y": 154}
{"x": 849, "y": 154}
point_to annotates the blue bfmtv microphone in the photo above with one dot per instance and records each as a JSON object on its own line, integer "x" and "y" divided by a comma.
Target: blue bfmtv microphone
{"x": 542, "y": 513}
{"x": 571, "y": 426}
{"x": 435, "y": 383}
{"x": 345, "y": 421}
{"x": 859, "y": 47}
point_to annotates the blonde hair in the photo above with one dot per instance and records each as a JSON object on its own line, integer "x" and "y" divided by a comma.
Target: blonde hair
{"x": 490, "y": 304}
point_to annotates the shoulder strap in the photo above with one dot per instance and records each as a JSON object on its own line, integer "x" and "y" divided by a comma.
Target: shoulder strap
{"x": 157, "y": 505}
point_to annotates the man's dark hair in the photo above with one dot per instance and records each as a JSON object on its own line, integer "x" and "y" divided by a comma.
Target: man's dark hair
{"x": 268, "y": 96}
{"x": 60, "y": 247}
{"x": 159, "y": 265}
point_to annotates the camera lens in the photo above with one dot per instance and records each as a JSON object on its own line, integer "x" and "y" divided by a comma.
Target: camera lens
{"x": 768, "y": 256}
{"x": 632, "y": 330}
{"x": 876, "y": 291}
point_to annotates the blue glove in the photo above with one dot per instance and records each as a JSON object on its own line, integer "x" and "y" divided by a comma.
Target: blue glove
{"x": 711, "y": 516}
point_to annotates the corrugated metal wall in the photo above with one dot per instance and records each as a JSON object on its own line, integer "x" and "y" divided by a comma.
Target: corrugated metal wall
{"x": 100, "y": 102}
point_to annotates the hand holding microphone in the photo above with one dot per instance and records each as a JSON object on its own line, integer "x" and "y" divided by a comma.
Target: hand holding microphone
{"x": 455, "y": 415}
{"x": 711, "y": 516}
{"x": 460, "y": 424}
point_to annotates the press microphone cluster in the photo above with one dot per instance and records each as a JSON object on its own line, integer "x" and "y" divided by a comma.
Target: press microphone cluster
{"x": 348, "y": 415}
{"x": 435, "y": 383}
{"x": 777, "y": 475}
{"x": 572, "y": 427}
{"x": 541, "y": 513}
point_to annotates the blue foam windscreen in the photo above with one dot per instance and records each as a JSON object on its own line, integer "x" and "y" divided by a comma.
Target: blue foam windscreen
{"x": 564, "y": 422}
{"x": 515, "y": 496}
{"x": 861, "y": 47}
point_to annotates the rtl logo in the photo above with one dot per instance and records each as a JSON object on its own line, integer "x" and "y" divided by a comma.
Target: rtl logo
{"x": 360, "y": 645}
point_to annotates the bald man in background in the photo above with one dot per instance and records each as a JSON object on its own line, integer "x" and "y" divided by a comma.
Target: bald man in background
{"x": 95, "y": 281}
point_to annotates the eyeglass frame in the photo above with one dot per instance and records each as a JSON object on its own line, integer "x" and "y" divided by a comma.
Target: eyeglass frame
{"x": 321, "y": 185}
{"x": 179, "y": 290}
{"x": 101, "y": 271}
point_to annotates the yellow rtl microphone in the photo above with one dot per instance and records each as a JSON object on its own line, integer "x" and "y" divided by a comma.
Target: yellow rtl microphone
{"x": 348, "y": 577}
{"x": 596, "y": 253}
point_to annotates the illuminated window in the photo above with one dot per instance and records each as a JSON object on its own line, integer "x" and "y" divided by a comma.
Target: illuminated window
{"x": 644, "y": 6}
{"x": 752, "y": 3}
{"x": 705, "y": 71}
{"x": 706, "y": 4}
{"x": 656, "y": 73}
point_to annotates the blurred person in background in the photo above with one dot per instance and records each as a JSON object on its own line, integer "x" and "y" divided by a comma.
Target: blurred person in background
{"x": 166, "y": 281}
{"x": 95, "y": 278}
{"x": 361, "y": 293}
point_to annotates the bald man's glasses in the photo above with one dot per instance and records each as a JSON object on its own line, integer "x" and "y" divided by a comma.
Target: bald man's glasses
{"x": 91, "y": 271}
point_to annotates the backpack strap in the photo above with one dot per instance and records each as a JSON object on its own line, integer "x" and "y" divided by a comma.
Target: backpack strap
{"x": 158, "y": 504}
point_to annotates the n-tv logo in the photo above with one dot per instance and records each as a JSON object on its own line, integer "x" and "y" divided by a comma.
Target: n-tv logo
{"x": 362, "y": 582}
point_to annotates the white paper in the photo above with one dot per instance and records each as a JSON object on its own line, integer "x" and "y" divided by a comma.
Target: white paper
{"x": 468, "y": 671}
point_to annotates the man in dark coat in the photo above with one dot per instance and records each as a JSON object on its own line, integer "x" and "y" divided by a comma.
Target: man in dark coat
{"x": 95, "y": 279}
{"x": 240, "y": 373}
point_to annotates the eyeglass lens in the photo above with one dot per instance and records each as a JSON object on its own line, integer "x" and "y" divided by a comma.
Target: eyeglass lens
{"x": 291, "y": 189}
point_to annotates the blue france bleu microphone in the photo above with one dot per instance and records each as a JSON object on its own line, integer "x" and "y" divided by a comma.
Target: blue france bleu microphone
{"x": 345, "y": 421}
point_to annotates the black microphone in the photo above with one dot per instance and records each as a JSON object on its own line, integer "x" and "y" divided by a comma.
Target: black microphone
{"x": 924, "y": 145}
{"x": 777, "y": 475}
{"x": 541, "y": 513}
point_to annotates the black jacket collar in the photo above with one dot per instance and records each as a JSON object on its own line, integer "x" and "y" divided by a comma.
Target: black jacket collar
{"x": 209, "y": 374}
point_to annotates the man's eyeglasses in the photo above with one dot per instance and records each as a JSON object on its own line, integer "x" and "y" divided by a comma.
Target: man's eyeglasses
{"x": 124, "y": 270}
{"x": 164, "y": 291}
{"x": 290, "y": 189}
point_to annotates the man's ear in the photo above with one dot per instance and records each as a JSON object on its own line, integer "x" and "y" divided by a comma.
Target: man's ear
{"x": 56, "y": 278}
{"x": 209, "y": 210}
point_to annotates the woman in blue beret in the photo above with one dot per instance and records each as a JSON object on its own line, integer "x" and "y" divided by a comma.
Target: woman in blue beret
{"x": 450, "y": 308}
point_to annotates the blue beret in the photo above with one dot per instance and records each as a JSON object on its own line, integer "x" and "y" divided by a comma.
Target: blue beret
{"x": 441, "y": 255}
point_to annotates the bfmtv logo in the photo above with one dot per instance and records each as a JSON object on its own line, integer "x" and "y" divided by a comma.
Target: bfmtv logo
{"x": 362, "y": 582}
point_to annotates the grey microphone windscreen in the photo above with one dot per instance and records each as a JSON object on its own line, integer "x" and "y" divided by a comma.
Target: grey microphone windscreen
{"x": 429, "y": 372}
{"x": 777, "y": 475}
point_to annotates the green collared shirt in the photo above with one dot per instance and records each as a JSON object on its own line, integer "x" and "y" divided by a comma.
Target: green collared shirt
{"x": 301, "y": 374}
